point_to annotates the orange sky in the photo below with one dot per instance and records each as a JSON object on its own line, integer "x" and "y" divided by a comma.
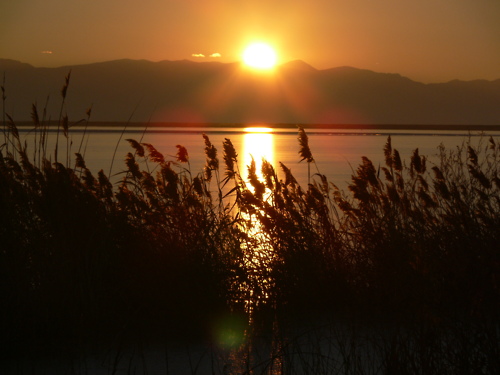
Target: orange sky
{"x": 425, "y": 40}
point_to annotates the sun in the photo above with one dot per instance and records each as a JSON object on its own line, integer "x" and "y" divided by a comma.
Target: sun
{"x": 260, "y": 56}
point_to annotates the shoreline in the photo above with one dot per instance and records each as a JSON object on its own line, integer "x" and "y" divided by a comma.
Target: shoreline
{"x": 471, "y": 127}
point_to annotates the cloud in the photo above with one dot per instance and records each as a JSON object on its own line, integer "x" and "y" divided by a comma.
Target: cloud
{"x": 201, "y": 55}
{"x": 46, "y": 52}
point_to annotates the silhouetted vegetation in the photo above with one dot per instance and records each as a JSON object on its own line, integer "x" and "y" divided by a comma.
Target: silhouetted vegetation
{"x": 409, "y": 255}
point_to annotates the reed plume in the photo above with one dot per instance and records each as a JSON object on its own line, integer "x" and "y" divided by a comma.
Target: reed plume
{"x": 139, "y": 149}
{"x": 154, "y": 155}
{"x": 80, "y": 162}
{"x": 212, "y": 162}
{"x": 259, "y": 187}
{"x": 182, "y": 154}
{"x": 388, "y": 152}
{"x": 230, "y": 158}
{"x": 304, "y": 150}
{"x": 88, "y": 113}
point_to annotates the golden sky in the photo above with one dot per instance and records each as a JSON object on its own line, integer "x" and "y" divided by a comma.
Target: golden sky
{"x": 425, "y": 40}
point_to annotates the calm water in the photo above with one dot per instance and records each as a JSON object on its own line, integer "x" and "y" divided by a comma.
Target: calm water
{"x": 336, "y": 152}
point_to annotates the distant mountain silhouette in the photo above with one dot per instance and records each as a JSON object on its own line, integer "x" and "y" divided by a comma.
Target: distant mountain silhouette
{"x": 211, "y": 92}
{"x": 298, "y": 65}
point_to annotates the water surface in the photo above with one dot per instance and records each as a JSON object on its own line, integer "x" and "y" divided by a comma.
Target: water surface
{"x": 337, "y": 152}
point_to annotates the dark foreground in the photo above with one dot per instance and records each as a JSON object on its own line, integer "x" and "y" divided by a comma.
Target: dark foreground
{"x": 399, "y": 274}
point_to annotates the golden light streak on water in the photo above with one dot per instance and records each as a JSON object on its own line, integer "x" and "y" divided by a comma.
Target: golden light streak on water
{"x": 258, "y": 142}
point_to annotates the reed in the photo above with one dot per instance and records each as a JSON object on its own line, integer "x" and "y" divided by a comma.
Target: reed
{"x": 404, "y": 246}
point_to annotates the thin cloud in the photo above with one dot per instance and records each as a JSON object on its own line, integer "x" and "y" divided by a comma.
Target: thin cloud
{"x": 46, "y": 52}
{"x": 201, "y": 55}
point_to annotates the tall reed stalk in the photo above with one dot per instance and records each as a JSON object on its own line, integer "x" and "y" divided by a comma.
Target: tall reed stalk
{"x": 4, "y": 122}
{"x": 63, "y": 121}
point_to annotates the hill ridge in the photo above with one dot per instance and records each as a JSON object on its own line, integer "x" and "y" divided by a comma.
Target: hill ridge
{"x": 215, "y": 92}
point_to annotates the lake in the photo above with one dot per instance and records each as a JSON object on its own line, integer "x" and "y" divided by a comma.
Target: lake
{"x": 337, "y": 152}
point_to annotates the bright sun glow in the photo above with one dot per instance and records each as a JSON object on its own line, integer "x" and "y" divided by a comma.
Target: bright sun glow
{"x": 257, "y": 129}
{"x": 259, "y": 56}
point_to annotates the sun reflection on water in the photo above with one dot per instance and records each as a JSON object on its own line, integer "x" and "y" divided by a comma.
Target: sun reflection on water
{"x": 258, "y": 144}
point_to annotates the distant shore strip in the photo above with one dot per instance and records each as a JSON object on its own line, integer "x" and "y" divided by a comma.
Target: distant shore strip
{"x": 374, "y": 127}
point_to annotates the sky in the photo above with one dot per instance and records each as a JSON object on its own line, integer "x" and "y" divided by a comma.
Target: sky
{"x": 425, "y": 40}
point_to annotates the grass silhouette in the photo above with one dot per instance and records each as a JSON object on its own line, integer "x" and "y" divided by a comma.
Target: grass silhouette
{"x": 410, "y": 248}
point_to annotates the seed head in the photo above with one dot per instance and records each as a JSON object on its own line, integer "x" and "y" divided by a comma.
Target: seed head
{"x": 304, "y": 151}
{"x": 182, "y": 154}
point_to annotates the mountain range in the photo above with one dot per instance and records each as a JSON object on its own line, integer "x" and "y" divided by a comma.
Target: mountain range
{"x": 212, "y": 92}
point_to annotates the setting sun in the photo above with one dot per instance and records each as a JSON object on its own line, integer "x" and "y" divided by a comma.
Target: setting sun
{"x": 259, "y": 56}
